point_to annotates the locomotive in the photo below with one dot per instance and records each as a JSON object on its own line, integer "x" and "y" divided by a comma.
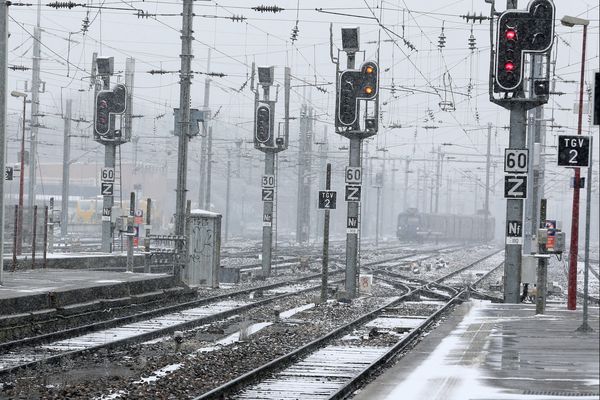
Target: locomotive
{"x": 416, "y": 226}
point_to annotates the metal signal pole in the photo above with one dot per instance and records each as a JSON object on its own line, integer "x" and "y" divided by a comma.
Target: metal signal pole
{"x": 204, "y": 140}
{"x": 486, "y": 206}
{"x": 3, "y": 76}
{"x": 352, "y": 238}
{"x": 109, "y": 162}
{"x": 514, "y": 210}
{"x": 574, "y": 247}
{"x": 184, "y": 107}
{"x": 267, "y": 237}
{"x": 64, "y": 218}
{"x": 35, "y": 107}
{"x": 325, "y": 265}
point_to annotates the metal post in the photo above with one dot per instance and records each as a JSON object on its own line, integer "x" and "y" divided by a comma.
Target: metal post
{"x": 585, "y": 327}
{"x": 325, "y": 268}
{"x": 35, "y": 107}
{"x": 405, "y": 194}
{"x": 45, "y": 236}
{"x": 50, "y": 227}
{"x": 301, "y": 217}
{"x": 147, "y": 236}
{"x": 227, "y": 194}
{"x": 322, "y": 166}
{"x": 573, "y": 250}
{"x": 352, "y": 237}
{"x": 267, "y": 226}
{"x": 130, "y": 232}
{"x": 3, "y": 75}
{"x": 438, "y": 173}
{"x": 267, "y": 236}
{"x": 535, "y": 186}
{"x": 383, "y": 220}
{"x": 204, "y": 140}
{"x": 514, "y": 211}
{"x": 209, "y": 155}
{"x": 184, "y": 107}
{"x": 64, "y": 218}
{"x": 109, "y": 162}
{"x": 34, "y": 236}
{"x": 542, "y": 270}
{"x": 486, "y": 206}
{"x": 21, "y": 185}
{"x": 14, "y": 258}
{"x": 377, "y": 222}
{"x": 417, "y": 191}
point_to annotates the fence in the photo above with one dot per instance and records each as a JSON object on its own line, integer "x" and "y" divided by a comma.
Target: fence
{"x": 28, "y": 245}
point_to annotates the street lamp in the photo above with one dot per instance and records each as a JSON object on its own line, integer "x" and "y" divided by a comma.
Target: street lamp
{"x": 15, "y": 93}
{"x": 573, "y": 250}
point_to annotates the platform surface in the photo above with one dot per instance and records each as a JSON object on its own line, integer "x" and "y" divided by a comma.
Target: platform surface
{"x": 39, "y": 281}
{"x": 490, "y": 351}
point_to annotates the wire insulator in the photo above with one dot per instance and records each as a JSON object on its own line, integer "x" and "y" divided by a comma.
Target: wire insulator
{"x": 272, "y": 9}
{"x": 64, "y": 4}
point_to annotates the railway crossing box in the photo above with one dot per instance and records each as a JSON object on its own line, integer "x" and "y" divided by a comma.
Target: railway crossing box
{"x": 203, "y": 231}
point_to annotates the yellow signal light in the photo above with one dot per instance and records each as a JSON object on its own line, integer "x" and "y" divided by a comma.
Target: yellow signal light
{"x": 369, "y": 69}
{"x": 369, "y": 90}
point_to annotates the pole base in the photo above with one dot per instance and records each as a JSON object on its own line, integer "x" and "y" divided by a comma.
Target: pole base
{"x": 584, "y": 328}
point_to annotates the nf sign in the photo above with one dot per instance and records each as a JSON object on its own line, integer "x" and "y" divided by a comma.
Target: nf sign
{"x": 573, "y": 151}
{"x": 327, "y": 199}
{"x": 515, "y": 187}
{"x": 352, "y": 225}
{"x": 514, "y": 233}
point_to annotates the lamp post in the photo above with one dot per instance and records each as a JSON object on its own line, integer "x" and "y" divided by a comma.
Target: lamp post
{"x": 15, "y": 93}
{"x": 573, "y": 249}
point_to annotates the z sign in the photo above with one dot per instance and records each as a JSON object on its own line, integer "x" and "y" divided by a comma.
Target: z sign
{"x": 515, "y": 187}
{"x": 352, "y": 193}
{"x": 267, "y": 194}
{"x": 106, "y": 189}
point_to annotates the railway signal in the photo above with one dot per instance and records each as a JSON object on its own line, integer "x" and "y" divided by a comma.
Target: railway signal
{"x": 520, "y": 32}
{"x": 263, "y": 126}
{"x": 109, "y": 102}
{"x": 355, "y": 85}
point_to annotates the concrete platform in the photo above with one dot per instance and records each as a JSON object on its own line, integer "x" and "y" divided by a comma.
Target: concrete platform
{"x": 34, "y": 290}
{"x": 490, "y": 351}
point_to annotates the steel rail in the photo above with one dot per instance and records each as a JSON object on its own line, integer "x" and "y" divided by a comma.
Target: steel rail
{"x": 279, "y": 363}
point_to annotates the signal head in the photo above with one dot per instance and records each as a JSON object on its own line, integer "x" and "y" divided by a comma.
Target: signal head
{"x": 510, "y": 34}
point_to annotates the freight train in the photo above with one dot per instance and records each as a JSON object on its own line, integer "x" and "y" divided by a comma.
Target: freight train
{"x": 418, "y": 227}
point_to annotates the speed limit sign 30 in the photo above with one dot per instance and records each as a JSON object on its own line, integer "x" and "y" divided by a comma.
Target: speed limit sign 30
{"x": 516, "y": 160}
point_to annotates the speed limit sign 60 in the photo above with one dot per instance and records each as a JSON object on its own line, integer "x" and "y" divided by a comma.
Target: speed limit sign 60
{"x": 516, "y": 160}
{"x": 353, "y": 175}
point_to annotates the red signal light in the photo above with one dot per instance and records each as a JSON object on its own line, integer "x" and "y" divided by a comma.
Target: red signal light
{"x": 510, "y": 34}
{"x": 509, "y": 66}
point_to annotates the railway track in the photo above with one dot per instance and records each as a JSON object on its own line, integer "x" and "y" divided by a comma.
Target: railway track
{"x": 56, "y": 346}
{"x": 308, "y": 373}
